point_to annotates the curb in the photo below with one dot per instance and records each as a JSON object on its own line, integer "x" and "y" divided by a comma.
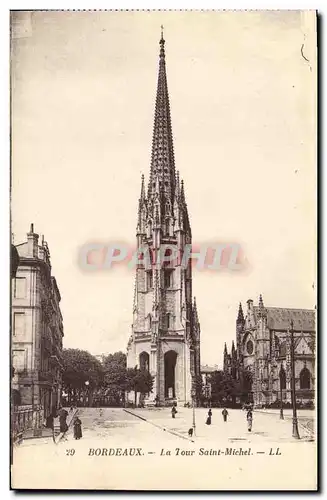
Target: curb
{"x": 159, "y": 426}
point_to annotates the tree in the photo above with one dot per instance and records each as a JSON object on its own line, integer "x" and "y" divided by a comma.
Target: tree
{"x": 198, "y": 386}
{"x": 114, "y": 377}
{"x": 223, "y": 387}
{"x": 139, "y": 381}
{"x": 80, "y": 367}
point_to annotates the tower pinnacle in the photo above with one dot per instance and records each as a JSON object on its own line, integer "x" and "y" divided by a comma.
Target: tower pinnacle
{"x": 162, "y": 157}
{"x": 240, "y": 316}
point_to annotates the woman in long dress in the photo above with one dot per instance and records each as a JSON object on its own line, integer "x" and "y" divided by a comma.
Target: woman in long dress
{"x": 77, "y": 428}
{"x": 208, "y": 422}
{"x": 249, "y": 418}
{"x": 62, "y": 419}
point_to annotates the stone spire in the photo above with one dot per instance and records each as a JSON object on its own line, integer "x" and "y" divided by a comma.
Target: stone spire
{"x": 233, "y": 350}
{"x": 186, "y": 221}
{"x": 142, "y": 201}
{"x": 240, "y": 316}
{"x": 195, "y": 312}
{"x": 262, "y": 310}
{"x": 261, "y": 306}
{"x": 162, "y": 159}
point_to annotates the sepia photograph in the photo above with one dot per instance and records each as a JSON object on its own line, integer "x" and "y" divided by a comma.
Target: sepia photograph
{"x": 163, "y": 332}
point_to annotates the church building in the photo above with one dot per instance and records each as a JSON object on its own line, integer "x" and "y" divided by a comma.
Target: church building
{"x": 263, "y": 346}
{"x": 165, "y": 336}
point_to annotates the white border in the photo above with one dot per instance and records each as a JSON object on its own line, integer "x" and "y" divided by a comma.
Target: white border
{"x": 4, "y": 168}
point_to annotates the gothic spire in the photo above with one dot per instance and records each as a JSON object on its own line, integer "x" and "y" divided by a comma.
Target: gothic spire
{"x": 142, "y": 195}
{"x": 225, "y": 350}
{"x": 187, "y": 225}
{"x": 142, "y": 200}
{"x": 261, "y": 306}
{"x": 262, "y": 310}
{"x": 162, "y": 158}
{"x": 195, "y": 311}
{"x": 240, "y": 316}
{"x": 233, "y": 350}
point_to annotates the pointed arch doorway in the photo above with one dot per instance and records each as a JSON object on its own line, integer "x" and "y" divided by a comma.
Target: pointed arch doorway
{"x": 170, "y": 359}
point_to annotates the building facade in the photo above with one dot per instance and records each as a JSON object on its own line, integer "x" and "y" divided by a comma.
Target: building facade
{"x": 263, "y": 346}
{"x": 206, "y": 374}
{"x": 165, "y": 335}
{"x": 37, "y": 328}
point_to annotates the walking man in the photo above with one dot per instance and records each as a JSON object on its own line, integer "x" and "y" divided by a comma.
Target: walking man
{"x": 225, "y": 414}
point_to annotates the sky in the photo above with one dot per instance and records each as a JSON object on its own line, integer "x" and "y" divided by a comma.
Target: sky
{"x": 243, "y": 107}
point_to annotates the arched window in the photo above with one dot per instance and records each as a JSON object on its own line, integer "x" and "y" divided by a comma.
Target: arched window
{"x": 282, "y": 349}
{"x": 305, "y": 378}
{"x": 144, "y": 361}
{"x": 282, "y": 378}
{"x": 149, "y": 280}
{"x": 168, "y": 321}
{"x": 249, "y": 347}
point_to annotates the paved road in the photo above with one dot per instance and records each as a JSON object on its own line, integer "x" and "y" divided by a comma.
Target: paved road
{"x": 116, "y": 425}
{"x": 74, "y": 464}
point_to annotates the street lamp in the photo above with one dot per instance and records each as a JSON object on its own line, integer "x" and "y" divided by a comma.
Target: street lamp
{"x": 281, "y": 414}
{"x": 87, "y": 383}
{"x": 295, "y": 432}
{"x": 193, "y": 408}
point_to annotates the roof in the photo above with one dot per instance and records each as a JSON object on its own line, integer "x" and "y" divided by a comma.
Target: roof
{"x": 278, "y": 318}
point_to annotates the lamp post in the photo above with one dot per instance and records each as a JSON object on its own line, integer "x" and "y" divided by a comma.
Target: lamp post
{"x": 87, "y": 383}
{"x": 193, "y": 409}
{"x": 295, "y": 431}
{"x": 281, "y": 413}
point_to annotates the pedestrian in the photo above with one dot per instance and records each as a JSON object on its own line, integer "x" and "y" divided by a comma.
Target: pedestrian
{"x": 249, "y": 418}
{"x": 225, "y": 414}
{"x": 62, "y": 419}
{"x": 208, "y": 421}
{"x": 77, "y": 428}
{"x": 173, "y": 411}
{"x": 156, "y": 400}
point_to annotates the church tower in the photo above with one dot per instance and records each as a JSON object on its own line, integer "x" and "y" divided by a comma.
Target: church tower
{"x": 165, "y": 335}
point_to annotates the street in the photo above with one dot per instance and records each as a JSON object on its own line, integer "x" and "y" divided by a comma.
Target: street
{"x": 118, "y": 424}
{"x": 163, "y": 444}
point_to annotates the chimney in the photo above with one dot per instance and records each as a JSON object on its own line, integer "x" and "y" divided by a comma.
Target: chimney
{"x": 32, "y": 242}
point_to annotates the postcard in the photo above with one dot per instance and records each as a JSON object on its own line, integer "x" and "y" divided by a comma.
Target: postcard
{"x": 164, "y": 250}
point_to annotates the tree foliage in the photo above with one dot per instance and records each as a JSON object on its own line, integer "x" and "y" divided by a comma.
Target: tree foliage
{"x": 114, "y": 377}
{"x": 106, "y": 382}
{"x": 82, "y": 372}
{"x": 139, "y": 381}
{"x": 224, "y": 388}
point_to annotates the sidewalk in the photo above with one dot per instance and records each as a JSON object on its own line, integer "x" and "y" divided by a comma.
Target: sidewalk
{"x": 266, "y": 427}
